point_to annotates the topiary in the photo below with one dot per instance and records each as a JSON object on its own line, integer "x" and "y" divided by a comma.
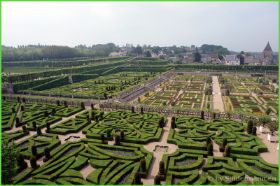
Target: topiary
{"x": 34, "y": 150}
{"x": 250, "y": 126}
{"x": 24, "y": 129}
{"x": 202, "y": 115}
{"x": 117, "y": 140}
{"x": 137, "y": 179}
{"x": 210, "y": 149}
{"x": 133, "y": 109}
{"x": 173, "y": 123}
{"x": 17, "y": 122}
{"x": 83, "y": 105}
{"x": 20, "y": 162}
{"x": 47, "y": 154}
{"x": 254, "y": 130}
{"x": 39, "y": 132}
{"x": 161, "y": 168}
{"x": 34, "y": 125}
{"x": 143, "y": 165}
{"x": 224, "y": 144}
{"x": 157, "y": 180}
{"x": 227, "y": 151}
{"x": 122, "y": 135}
{"x": 102, "y": 138}
{"x": 33, "y": 163}
{"x": 65, "y": 104}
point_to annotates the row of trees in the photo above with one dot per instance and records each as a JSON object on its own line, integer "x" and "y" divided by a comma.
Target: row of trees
{"x": 39, "y": 52}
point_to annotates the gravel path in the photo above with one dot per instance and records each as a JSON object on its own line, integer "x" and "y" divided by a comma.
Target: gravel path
{"x": 217, "y": 95}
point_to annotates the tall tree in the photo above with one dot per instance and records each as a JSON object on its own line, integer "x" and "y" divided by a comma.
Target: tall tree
{"x": 197, "y": 56}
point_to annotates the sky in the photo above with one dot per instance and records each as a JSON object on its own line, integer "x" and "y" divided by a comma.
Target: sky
{"x": 238, "y": 26}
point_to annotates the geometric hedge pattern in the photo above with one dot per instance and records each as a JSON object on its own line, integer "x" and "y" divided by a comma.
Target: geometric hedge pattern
{"x": 120, "y": 164}
{"x": 112, "y": 164}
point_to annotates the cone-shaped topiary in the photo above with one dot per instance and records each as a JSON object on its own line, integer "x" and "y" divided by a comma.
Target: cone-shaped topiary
{"x": 34, "y": 150}
{"x": 161, "y": 168}
{"x": 157, "y": 180}
{"x": 202, "y": 115}
{"x": 39, "y": 132}
{"x": 254, "y": 131}
{"x": 33, "y": 163}
{"x": 20, "y": 162}
{"x": 143, "y": 165}
{"x": 34, "y": 125}
{"x": 224, "y": 144}
{"x": 227, "y": 151}
{"x": 83, "y": 105}
{"x": 137, "y": 179}
{"x": 117, "y": 140}
{"x": 122, "y": 135}
{"x": 250, "y": 126}
{"x": 210, "y": 149}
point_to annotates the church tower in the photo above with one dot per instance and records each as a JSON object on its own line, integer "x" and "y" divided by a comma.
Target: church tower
{"x": 267, "y": 54}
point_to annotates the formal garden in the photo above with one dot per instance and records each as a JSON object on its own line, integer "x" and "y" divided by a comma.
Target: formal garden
{"x": 139, "y": 121}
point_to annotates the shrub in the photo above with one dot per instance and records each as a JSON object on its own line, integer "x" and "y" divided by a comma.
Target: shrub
{"x": 102, "y": 138}
{"x": 161, "y": 122}
{"x": 83, "y": 105}
{"x": 202, "y": 115}
{"x": 17, "y": 122}
{"x": 108, "y": 133}
{"x": 47, "y": 154}
{"x": 57, "y": 102}
{"x": 157, "y": 180}
{"x": 53, "y": 111}
{"x": 143, "y": 165}
{"x": 46, "y": 113}
{"x": 34, "y": 150}
{"x": 137, "y": 179}
{"x": 48, "y": 127}
{"x": 39, "y": 132}
{"x": 117, "y": 140}
{"x": 122, "y": 135}
{"x": 227, "y": 151}
{"x": 34, "y": 125}
{"x": 214, "y": 115}
{"x": 210, "y": 149}
{"x": 268, "y": 111}
{"x": 20, "y": 162}
{"x": 33, "y": 163}
{"x": 224, "y": 144}
{"x": 65, "y": 104}
{"x": 13, "y": 110}
{"x": 161, "y": 168}
{"x": 173, "y": 123}
{"x": 250, "y": 127}
{"x": 254, "y": 130}
{"x": 24, "y": 129}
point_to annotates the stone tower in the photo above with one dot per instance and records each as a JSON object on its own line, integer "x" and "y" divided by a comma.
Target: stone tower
{"x": 267, "y": 54}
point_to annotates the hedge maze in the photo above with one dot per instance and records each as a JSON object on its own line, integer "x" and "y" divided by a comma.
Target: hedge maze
{"x": 34, "y": 115}
{"x": 36, "y": 145}
{"x": 72, "y": 125}
{"x": 194, "y": 162}
{"x": 9, "y": 111}
{"x": 110, "y": 164}
{"x": 137, "y": 128}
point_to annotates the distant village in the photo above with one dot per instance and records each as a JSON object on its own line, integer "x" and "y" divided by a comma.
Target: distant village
{"x": 209, "y": 54}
